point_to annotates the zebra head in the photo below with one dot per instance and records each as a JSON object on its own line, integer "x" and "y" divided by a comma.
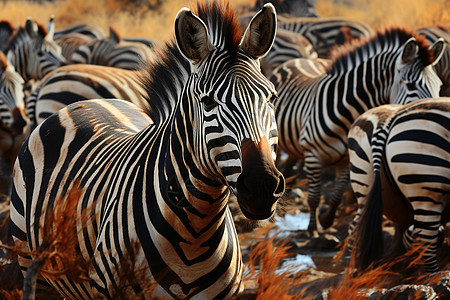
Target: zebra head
{"x": 414, "y": 76}
{"x": 229, "y": 103}
{"x": 35, "y": 53}
{"x": 12, "y": 106}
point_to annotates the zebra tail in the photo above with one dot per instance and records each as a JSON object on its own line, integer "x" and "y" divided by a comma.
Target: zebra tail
{"x": 369, "y": 232}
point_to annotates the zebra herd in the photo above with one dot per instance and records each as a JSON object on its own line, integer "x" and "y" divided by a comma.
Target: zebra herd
{"x": 157, "y": 138}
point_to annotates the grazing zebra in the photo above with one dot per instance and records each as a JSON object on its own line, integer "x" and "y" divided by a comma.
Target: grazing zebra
{"x": 314, "y": 113}
{"x": 113, "y": 52}
{"x": 325, "y": 33}
{"x": 432, "y": 34}
{"x": 287, "y": 45}
{"x": 72, "y": 83}
{"x": 400, "y": 166}
{"x": 34, "y": 53}
{"x": 160, "y": 190}
{"x": 13, "y": 120}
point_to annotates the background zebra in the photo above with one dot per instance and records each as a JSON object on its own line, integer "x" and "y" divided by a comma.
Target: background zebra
{"x": 72, "y": 83}
{"x": 161, "y": 189}
{"x": 13, "y": 120}
{"x": 34, "y": 53}
{"x": 113, "y": 52}
{"x": 432, "y": 34}
{"x": 400, "y": 165}
{"x": 314, "y": 113}
{"x": 325, "y": 33}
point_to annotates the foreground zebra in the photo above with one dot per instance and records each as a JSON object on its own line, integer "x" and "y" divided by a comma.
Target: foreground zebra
{"x": 161, "y": 190}
{"x": 72, "y": 83}
{"x": 400, "y": 166}
{"x": 325, "y": 33}
{"x": 314, "y": 113}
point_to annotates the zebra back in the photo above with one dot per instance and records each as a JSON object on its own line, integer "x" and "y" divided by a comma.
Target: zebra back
{"x": 296, "y": 8}
{"x": 287, "y": 45}
{"x": 70, "y": 42}
{"x": 72, "y": 83}
{"x": 405, "y": 151}
{"x": 325, "y": 33}
{"x": 89, "y": 30}
{"x": 113, "y": 52}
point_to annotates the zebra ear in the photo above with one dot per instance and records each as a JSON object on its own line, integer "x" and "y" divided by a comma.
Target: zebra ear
{"x": 410, "y": 50}
{"x": 438, "y": 49}
{"x": 113, "y": 35}
{"x": 50, "y": 29}
{"x": 260, "y": 32}
{"x": 192, "y": 36}
{"x": 32, "y": 28}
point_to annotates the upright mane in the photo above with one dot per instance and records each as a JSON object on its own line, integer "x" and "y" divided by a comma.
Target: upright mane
{"x": 163, "y": 79}
{"x": 346, "y": 56}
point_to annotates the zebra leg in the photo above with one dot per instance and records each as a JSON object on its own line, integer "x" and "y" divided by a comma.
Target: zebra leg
{"x": 326, "y": 216}
{"x": 314, "y": 192}
{"x": 425, "y": 230}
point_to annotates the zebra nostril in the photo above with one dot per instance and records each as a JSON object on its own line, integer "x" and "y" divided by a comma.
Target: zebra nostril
{"x": 279, "y": 191}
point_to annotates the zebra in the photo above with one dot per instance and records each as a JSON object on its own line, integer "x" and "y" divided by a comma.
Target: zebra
{"x": 114, "y": 52}
{"x": 210, "y": 131}
{"x": 432, "y": 34}
{"x": 14, "y": 123}
{"x": 400, "y": 165}
{"x": 325, "y": 33}
{"x": 34, "y": 53}
{"x": 287, "y": 45}
{"x": 72, "y": 83}
{"x": 314, "y": 113}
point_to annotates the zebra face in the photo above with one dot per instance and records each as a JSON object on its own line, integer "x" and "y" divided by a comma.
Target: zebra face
{"x": 12, "y": 117}
{"x": 413, "y": 78}
{"x": 230, "y": 101}
{"x": 44, "y": 54}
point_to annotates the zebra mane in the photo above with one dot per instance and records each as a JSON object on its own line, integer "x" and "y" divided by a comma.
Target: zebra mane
{"x": 163, "y": 79}
{"x": 346, "y": 56}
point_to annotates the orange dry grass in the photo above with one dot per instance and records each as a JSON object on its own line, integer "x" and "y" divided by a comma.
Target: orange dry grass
{"x": 414, "y": 14}
{"x": 264, "y": 259}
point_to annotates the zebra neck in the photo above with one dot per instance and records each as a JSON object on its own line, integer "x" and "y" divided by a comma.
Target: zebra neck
{"x": 191, "y": 193}
{"x": 20, "y": 63}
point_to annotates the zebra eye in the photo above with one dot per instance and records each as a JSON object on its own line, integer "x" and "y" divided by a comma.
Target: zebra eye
{"x": 272, "y": 99}
{"x": 40, "y": 53}
{"x": 411, "y": 86}
{"x": 209, "y": 102}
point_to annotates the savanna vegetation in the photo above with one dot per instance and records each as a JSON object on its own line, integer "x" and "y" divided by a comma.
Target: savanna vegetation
{"x": 154, "y": 18}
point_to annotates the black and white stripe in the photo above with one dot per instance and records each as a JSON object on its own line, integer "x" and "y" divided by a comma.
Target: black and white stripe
{"x": 325, "y": 33}
{"x": 112, "y": 51}
{"x": 400, "y": 166}
{"x": 34, "y": 53}
{"x": 314, "y": 113}
{"x": 158, "y": 180}
{"x": 72, "y": 83}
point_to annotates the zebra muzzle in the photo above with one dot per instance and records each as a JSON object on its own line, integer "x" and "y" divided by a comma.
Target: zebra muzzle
{"x": 260, "y": 184}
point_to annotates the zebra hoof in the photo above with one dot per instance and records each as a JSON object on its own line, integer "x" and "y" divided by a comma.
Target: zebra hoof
{"x": 326, "y": 217}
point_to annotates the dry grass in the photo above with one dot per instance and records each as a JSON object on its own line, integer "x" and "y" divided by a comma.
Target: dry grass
{"x": 131, "y": 20}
